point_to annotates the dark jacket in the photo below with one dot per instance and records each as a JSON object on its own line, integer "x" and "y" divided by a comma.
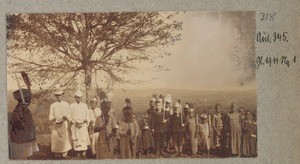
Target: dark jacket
{"x": 22, "y": 125}
{"x": 175, "y": 124}
{"x": 157, "y": 122}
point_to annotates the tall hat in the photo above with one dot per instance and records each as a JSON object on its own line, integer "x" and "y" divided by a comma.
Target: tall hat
{"x": 17, "y": 94}
{"x": 58, "y": 90}
{"x": 168, "y": 98}
{"x": 78, "y": 93}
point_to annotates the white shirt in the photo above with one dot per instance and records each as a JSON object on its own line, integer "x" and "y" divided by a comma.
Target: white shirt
{"x": 79, "y": 112}
{"x": 58, "y": 110}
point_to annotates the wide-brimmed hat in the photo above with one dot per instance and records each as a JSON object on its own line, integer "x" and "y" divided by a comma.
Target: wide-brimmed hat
{"x": 17, "y": 95}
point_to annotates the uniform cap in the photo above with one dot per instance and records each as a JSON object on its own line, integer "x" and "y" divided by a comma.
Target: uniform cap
{"x": 78, "y": 93}
{"x": 58, "y": 90}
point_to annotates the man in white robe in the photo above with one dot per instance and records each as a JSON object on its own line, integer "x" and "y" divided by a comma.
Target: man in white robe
{"x": 94, "y": 112}
{"x": 79, "y": 125}
{"x": 59, "y": 116}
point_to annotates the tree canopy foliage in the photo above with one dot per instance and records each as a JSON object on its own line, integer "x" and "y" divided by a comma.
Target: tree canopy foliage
{"x": 58, "y": 47}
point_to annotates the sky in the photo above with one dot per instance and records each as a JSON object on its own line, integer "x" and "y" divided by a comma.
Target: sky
{"x": 200, "y": 60}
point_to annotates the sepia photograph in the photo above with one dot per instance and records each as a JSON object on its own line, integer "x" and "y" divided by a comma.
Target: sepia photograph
{"x": 131, "y": 85}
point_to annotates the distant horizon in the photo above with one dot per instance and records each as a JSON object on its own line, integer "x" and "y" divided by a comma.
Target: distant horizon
{"x": 177, "y": 89}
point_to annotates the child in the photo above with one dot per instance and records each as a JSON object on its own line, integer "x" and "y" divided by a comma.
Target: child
{"x": 248, "y": 136}
{"x": 147, "y": 138}
{"x": 204, "y": 135}
{"x": 159, "y": 127}
{"x": 191, "y": 130}
{"x": 217, "y": 125}
{"x": 135, "y": 135}
{"x": 176, "y": 126}
{"x": 129, "y": 131}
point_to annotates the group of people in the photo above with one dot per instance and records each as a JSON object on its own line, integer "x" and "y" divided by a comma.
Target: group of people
{"x": 179, "y": 129}
{"x": 165, "y": 129}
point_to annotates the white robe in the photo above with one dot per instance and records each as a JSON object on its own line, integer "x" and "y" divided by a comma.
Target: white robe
{"x": 79, "y": 113}
{"x": 60, "y": 138}
{"x": 94, "y": 113}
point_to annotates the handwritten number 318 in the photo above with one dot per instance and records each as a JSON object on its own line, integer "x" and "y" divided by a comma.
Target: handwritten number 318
{"x": 267, "y": 16}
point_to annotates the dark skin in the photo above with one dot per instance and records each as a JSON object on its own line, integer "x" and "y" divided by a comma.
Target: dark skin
{"x": 27, "y": 100}
{"x": 152, "y": 104}
{"x": 78, "y": 99}
{"x": 106, "y": 117}
{"x": 168, "y": 104}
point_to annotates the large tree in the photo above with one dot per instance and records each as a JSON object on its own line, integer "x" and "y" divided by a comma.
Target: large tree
{"x": 56, "y": 48}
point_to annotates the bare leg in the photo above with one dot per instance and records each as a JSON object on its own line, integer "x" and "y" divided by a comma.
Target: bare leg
{"x": 64, "y": 155}
{"x": 180, "y": 150}
{"x": 84, "y": 154}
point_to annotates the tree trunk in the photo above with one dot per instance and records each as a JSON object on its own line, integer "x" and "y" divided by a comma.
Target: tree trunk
{"x": 88, "y": 82}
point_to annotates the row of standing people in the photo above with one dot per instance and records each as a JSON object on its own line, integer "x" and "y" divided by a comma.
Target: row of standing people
{"x": 230, "y": 134}
{"x": 162, "y": 126}
{"x": 234, "y": 131}
{"x": 76, "y": 127}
